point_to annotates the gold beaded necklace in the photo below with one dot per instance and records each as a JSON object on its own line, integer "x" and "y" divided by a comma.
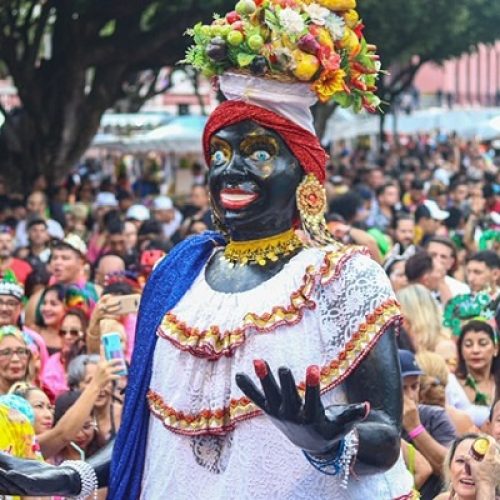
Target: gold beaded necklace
{"x": 263, "y": 250}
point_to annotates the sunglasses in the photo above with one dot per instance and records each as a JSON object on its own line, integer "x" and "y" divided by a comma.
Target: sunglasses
{"x": 89, "y": 426}
{"x": 72, "y": 332}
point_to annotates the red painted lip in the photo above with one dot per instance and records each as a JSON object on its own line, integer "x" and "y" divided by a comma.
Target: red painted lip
{"x": 236, "y": 199}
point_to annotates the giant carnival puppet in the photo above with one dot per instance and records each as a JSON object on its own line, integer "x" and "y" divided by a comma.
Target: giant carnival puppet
{"x": 265, "y": 365}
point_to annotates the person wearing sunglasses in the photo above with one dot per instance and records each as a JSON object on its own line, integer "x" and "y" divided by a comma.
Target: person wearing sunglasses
{"x": 14, "y": 357}
{"x": 72, "y": 332}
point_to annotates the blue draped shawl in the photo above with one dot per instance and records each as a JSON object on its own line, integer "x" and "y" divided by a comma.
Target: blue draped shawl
{"x": 165, "y": 287}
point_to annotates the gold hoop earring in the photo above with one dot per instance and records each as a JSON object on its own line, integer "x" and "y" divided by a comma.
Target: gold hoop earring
{"x": 311, "y": 204}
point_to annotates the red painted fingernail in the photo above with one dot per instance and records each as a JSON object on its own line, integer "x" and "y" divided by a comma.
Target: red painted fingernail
{"x": 260, "y": 368}
{"x": 312, "y": 375}
{"x": 368, "y": 409}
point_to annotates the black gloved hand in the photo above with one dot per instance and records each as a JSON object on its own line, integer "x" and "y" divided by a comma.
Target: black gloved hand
{"x": 307, "y": 424}
{"x": 34, "y": 478}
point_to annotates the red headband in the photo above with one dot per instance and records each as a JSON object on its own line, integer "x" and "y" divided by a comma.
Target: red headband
{"x": 304, "y": 145}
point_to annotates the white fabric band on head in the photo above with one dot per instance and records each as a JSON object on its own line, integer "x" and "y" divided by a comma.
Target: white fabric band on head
{"x": 290, "y": 100}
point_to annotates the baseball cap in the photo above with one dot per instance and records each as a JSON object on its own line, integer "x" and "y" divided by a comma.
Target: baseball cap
{"x": 74, "y": 242}
{"x": 106, "y": 199}
{"x": 435, "y": 212}
{"x": 162, "y": 203}
{"x": 408, "y": 364}
{"x": 137, "y": 212}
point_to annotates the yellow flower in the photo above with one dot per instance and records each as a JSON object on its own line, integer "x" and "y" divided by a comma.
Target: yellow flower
{"x": 350, "y": 42}
{"x": 329, "y": 83}
{"x": 351, "y": 18}
{"x": 338, "y": 4}
{"x": 324, "y": 38}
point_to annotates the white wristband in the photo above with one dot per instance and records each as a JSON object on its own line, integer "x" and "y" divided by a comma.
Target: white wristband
{"x": 88, "y": 478}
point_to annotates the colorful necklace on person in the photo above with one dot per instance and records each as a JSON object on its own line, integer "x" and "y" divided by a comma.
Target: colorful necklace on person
{"x": 262, "y": 250}
{"x": 480, "y": 398}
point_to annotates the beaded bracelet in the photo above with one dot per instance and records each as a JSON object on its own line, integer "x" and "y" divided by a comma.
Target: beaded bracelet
{"x": 88, "y": 478}
{"x": 341, "y": 462}
{"x": 329, "y": 466}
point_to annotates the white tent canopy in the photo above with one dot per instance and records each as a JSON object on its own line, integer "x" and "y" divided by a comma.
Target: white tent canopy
{"x": 486, "y": 130}
{"x": 182, "y": 135}
{"x": 483, "y": 123}
{"x": 144, "y": 120}
{"x": 105, "y": 140}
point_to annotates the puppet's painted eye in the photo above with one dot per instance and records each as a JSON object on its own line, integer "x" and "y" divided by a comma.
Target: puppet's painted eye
{"x": 218, "y": 158}
{"x": 260, "y": 155}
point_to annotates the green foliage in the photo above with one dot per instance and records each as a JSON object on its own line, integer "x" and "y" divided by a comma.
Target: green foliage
{"x": 433, "y": 30}
{"x": 108, "y": 29}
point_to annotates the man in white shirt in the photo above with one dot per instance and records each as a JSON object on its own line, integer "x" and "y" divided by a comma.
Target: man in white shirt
{"x": 165, "y": 213}
{"x": 443, "y": 251}
{"x": 37, "y": 208}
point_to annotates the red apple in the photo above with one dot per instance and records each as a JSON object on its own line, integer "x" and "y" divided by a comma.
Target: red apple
{"x": 232, "y": 17}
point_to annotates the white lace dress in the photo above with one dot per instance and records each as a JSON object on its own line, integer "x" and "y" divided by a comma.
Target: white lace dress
{"x": 206, "y": 439}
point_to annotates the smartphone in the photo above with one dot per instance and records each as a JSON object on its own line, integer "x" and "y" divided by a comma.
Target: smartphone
{"x": 112, "y": 344}
{"x": 128, "y": 304}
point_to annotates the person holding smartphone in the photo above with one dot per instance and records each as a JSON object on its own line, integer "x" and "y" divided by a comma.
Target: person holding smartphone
{"x": 83, "y": 372}
{"x": 116, "y": 311}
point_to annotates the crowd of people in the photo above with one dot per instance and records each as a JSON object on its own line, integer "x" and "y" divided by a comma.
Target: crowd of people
{"x": 427, "y": 210}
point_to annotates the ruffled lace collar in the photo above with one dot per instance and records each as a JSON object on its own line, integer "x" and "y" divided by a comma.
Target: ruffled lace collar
{"x": 281, "y": 300}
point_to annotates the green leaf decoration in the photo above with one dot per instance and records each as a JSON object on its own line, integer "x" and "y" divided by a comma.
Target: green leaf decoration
{"x": 243, "y": 59}
{"x": 8, "y": 276}
{"x": 464, "y": 308}
{"x": 342, "y": 99}
{"x": 271, "y": 20}
{"x": 489, "y": 235}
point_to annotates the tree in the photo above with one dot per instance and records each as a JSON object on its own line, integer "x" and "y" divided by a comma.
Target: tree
{"x": 411, "y": 33}
{"x": 73, "y": 59}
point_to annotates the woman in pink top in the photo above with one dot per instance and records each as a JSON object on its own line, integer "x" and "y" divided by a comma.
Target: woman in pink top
{"x": 72, "y": 332}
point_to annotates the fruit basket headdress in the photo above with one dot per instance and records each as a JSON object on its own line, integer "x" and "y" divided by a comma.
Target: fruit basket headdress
{"x": 317, "y": 42}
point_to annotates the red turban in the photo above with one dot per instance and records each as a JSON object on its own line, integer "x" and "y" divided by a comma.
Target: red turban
{"x": 304, "y": 145}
